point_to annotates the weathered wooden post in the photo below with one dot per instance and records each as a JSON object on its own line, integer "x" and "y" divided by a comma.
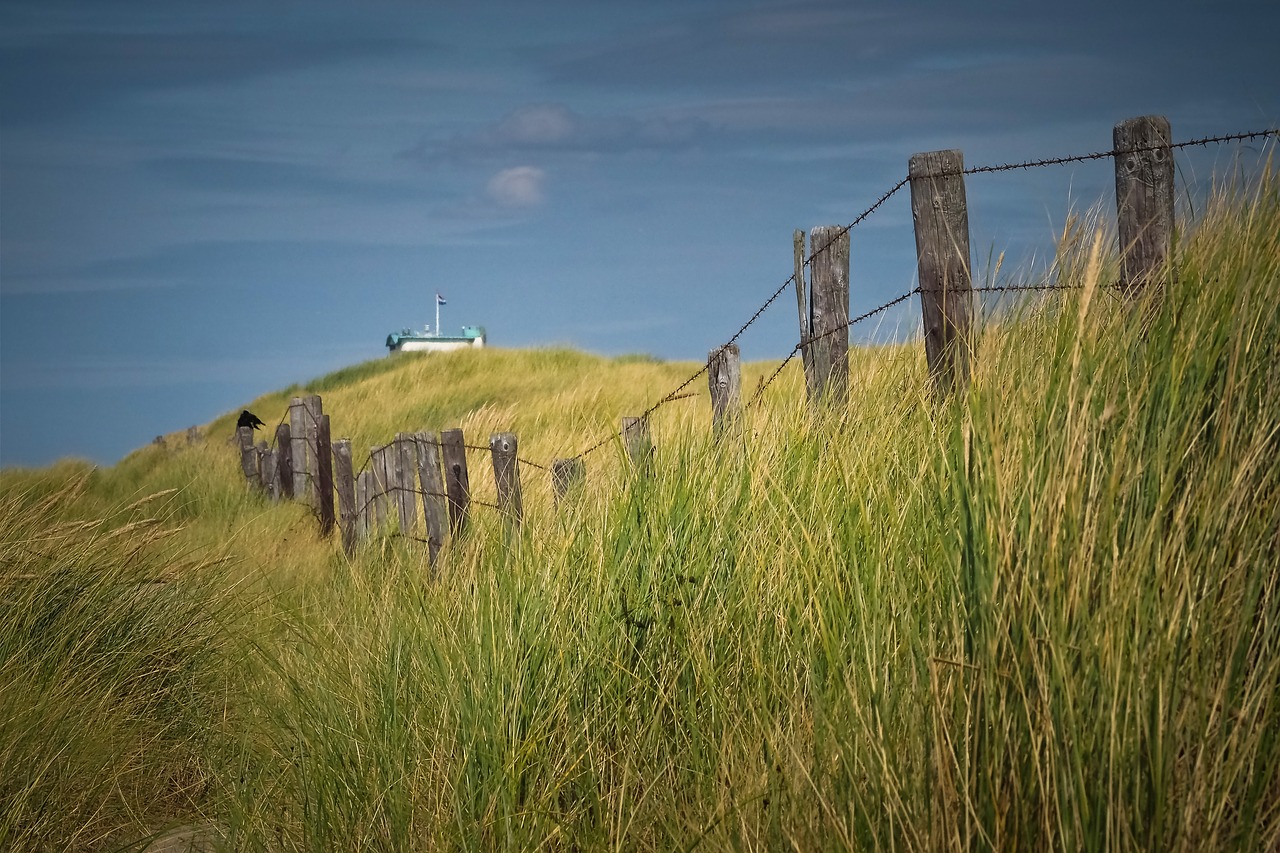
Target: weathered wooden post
{"x": 431, "y": 479}
{"x": 941, "y": 218}
{"x": 457, "y": 485}
{"x": 298, "y": 447}
{"x": 1144, "y": 201}
{"x": 345, "y": 484}
{"x": 506, "y": 473}
{"x": 724, "y": 377}
{"x": 567, "y": 474}
{"x": 313, "y": 411}
{"x": 379, "y": 484}
{"x": 248, "y": 456}
{"x": 829, "y": 313}
{"x": 284, "y": 460}
{"x": 269, "y": 470}
{"x": 364, "y": 507}
{"x": 639, "y": 444}
{"x": 324, "y": 476}
{"x": 405, "y": 462}
{"x": 802, "y": 306}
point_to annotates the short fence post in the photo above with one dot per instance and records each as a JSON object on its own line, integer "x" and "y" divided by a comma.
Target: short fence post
{"x": 298, "y": 447}
{"x": 506, "y": 473}
{"x": 1144, "y": 200}
{"x": 405, "y": 461}
{"x": 269, "y": 466}
{"x": 724, "y": 376}
{"x": 380, "y": 483}
{"x": 364, "y": 510}
{"x": 941, "y": 218}
{"x": 431, "y": 479}
{"x": 567, "y": 474}
{"x": 345, "y": 483}
{"x": 639, "y": 444}
{"x": 248, "y": 456}
{"x": 284, "y": 461}
{"x": 829, "y": 313}
{"x": 802, "y": 306}
{"x": 324, "y": 475}
{"x": 457, "y": 484}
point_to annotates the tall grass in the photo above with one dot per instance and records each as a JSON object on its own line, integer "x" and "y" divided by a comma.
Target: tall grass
{"x": 114, "y": 655}
{"x": 1042, "y": 615}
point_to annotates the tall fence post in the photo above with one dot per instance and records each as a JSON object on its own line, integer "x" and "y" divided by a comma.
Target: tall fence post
{"x": 567, "y": 474}
{"x": 284, "y": 460}
{"x": 405, "y": 460}
{"x": 941, "y": 218}
{"x": 506, "y": 473}
{"x": 345, "y": 484}
{"x": 313, "y": 412}
{"x": 364, "y": 508}
{"x": 802, "y": 306}
{"x": 248, "y": 456}
{"x": 639, "y": 444}
{"x": 431, "y": 478}
{"x": 456, "y": 482}
{"x": 324, "y": 476}
{"x": 298, "y": 447}
{"x": 829, "y": 313}
{"x": 1144, "y": 200}
{"x": 724, "y": 377}
{"x": 379, "y": 484}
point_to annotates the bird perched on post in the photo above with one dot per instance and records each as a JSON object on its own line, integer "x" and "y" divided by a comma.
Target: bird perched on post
{"x": 248, "y": 419}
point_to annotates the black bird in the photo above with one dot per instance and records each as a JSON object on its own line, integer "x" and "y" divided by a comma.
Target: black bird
{"x": 248, "y": 419}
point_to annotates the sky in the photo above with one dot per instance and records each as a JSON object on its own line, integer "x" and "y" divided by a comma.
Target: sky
{"x": 204, "y": 202}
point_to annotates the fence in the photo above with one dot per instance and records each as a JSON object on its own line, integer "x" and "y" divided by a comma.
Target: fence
{"x": 303, "y": 462}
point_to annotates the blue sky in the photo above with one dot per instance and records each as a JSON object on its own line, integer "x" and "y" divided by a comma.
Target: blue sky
{"x": 201, "y": 202}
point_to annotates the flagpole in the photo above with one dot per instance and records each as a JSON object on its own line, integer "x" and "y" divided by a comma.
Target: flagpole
{"x": 437, "y": 315}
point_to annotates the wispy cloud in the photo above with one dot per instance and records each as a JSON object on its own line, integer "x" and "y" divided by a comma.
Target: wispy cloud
{"x": 521, "y": 186}
{"x": 555, "y": 128}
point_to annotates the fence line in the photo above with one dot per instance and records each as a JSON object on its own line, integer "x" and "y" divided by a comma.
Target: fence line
{"x": 1144, "y": 199}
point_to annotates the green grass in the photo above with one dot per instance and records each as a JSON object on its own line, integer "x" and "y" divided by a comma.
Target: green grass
{"x": 1042, "y": 616}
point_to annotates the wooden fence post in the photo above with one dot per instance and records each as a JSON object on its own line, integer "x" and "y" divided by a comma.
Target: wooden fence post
{"x": 345, "y": 484}
{"x": 1144, "y": 200}
{"x": 829, "y": 313}
{"x": 456, "y": 482}
{"x": 941, "y": 218}
{"x": 268, "y": 471}
{"x": 506, "y": 473}
{"x": 364, "y": 508}
{"x": 248, "y": 456}
{"x": 324, "y": 476}
{"x": 313, "y": 412}
{"x": 802, "y": 306}
{"x": 724, "y": 377}
{"x": 567, "y": 474}
{"x": 431, "y": 478}
{"x": 639, "y": 444}
{"x": 284, "y": 460}
{"x": 298, "y": 447}
{"x": 405, "y": 461}
{"x": 379, "y": 484}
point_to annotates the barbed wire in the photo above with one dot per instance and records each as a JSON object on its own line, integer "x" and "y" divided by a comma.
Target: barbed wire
{"x": 676, "y": 393}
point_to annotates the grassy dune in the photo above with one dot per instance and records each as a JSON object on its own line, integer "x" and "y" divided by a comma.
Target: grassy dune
{"x": 1043, "y": 616}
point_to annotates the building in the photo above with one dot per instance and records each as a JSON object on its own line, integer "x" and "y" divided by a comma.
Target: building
{"x": 408, "y": 340}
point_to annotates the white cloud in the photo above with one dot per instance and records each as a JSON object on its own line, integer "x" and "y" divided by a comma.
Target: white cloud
{"x": 518, "y": 187}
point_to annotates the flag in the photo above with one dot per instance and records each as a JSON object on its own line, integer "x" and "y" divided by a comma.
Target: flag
{"x": 440, "y": 300}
